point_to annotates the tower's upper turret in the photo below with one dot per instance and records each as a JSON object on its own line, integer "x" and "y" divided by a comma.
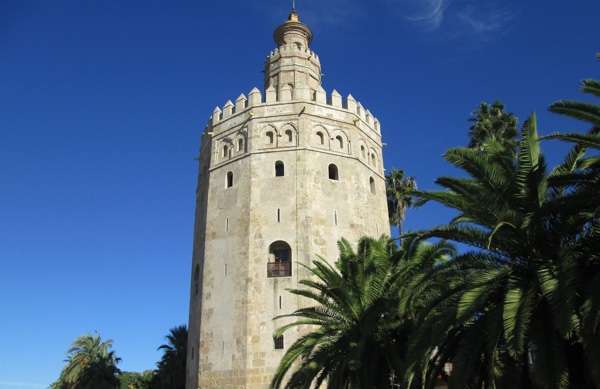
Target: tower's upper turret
{"x": 293, "y": 31}
{"x": 292, "y": 64}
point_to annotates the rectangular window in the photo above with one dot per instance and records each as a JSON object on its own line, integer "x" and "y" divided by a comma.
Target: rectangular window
{"x": 278, "y": 342}
{"x": 282, "y": 255}
{"x": 279, "y": 269}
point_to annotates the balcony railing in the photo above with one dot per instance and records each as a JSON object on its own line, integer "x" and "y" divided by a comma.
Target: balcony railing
{"x": 279, "y": 269}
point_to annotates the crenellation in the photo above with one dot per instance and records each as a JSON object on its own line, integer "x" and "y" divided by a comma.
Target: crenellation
{"x": 290, "y": 94}
{"x": 271, "y": 95}
{"x": 321, "y": 95}
{"x": 286, "y": 93}
{"x": 350, "y": 104}
{"x": 335, "y": 99}
{"x": 227, "y": 110}
{"x": 241, "y": 103}
{"x": 302, "y": 92}
{"x": 254, "y": 97}
{"x": 217, "y": 114}
{"x": 369, "y": 118}
{"x": 285, "y": 49}
{"x": 364, "y": 118}
{"x": 360, "y": 111}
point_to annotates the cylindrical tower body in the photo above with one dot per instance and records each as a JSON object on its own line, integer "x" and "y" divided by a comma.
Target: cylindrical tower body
{"x": 282, "y": 178}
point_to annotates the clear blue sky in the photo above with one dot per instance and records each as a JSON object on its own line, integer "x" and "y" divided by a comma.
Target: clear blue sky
{"x": 102, "y": 103}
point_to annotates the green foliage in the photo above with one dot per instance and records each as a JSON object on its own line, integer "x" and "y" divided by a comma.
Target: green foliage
{"x": 134, "y": 380}
{"x": 492, "y": 127}
{"x": 399, "y": 198}
{"x": 171, "y": 369}
{"x": 90, "y": 365}
{"x": 362, "y": 317}
{"x": 534, "y": 235}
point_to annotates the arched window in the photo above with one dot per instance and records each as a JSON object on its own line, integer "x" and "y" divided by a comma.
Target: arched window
{"x": 373, "y": 159}
{"x": 289, "y": 136}
{"x": 279, "y": 169}
{"x": 362, "y": 152}
{"x": 320, "y": 138}
{"x": 270, "y": 137}
{"x": 240, "y": 145}
{"x": 333, "y": 172}
{"x": 225, "y": 153}
{"x": 372, "y": 184}
{"x": 340, "y": 141}
{"x": 196, "y": 279}
{"x": 229, "y": 183}
{"x": 280, "y": 260}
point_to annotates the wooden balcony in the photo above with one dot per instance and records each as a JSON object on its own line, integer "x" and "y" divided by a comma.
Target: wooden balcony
{"x": 279, "y": 269}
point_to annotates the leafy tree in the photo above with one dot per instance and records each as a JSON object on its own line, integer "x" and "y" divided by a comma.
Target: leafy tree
{"x": 134, "y": 380}
{"x": 171, "y": 370}
{"x": 523, "y": 279}
{"x": 492, "y": 125}
{"x": 360, "y": 335}
{"x": 399, "y": 198}
{"x": 90, "y": 365}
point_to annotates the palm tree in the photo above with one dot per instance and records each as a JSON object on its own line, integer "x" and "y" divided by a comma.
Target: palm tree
{"x": 399, "y": 198}
{"x": 172, "y": 366}
{"x": 522, "y": 279}
{"x": 587, "y": 175}
{"x": 90, "y": 365}
{"x": 583, "y": 185}
{"x": 359, "y": 335}
{"x": 491, "y": 123}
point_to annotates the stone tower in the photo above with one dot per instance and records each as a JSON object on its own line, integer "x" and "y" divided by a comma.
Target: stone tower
{"x": 283, "y": 175}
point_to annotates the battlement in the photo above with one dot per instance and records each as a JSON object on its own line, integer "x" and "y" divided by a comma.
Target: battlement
{"x": 289, "y": 95}
{"x": 275, "y": 54}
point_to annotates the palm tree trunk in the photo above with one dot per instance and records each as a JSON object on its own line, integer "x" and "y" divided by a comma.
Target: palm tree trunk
{"x": 400, "y": 231}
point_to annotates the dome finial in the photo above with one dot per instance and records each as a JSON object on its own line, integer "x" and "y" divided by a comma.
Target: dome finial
{"x": 293, "y": 15}
{"x": 293, "y": 31}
